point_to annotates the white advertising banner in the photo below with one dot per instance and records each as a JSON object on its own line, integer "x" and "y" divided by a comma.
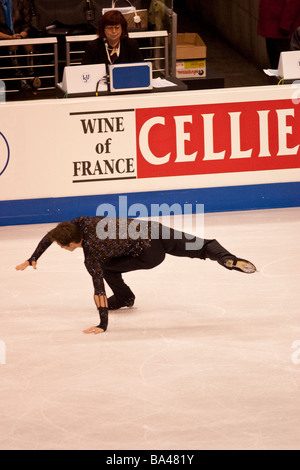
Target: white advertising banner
{"x": 149, "y": 142}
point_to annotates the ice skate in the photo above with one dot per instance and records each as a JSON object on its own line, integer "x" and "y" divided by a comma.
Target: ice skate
{"x": 240, "y": 265}
{"x": 115, "y": 304}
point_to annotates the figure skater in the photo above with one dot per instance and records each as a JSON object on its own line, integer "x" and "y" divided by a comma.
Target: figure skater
{"x": 115, "y": 246}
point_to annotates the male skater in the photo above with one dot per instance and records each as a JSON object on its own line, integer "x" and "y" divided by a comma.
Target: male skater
{"x": 115, "y": 246}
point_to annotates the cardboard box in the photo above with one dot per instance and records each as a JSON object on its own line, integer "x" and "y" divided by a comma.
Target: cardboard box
{"x": 190, "y": 46}
{"x": 190, "y": 56}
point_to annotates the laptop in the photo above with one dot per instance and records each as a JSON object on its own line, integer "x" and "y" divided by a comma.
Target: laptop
{"x": 130, "y": 77}
{"x": 80, "y": 79}
{"x": 289, "y": 65}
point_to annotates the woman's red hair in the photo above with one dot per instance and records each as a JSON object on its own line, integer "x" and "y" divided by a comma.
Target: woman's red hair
{"x": 111, "y": 18}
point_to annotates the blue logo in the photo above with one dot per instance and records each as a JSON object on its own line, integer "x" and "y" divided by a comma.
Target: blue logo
{"x": 4, "y": 153}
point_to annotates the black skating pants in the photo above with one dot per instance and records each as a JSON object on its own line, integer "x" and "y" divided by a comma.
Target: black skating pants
{"x": 175, "y": 243}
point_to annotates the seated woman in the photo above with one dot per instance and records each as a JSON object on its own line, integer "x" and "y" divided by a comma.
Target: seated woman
{"x": 113, "y": 44}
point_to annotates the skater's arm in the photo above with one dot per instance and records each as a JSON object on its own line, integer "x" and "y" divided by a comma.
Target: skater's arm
{"x": 95, "y": 270}
{"x": 102, "y": 306}
{"x": 32, "y": 261}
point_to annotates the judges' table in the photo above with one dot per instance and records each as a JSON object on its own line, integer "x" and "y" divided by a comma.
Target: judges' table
{"x": 235, "y": 149}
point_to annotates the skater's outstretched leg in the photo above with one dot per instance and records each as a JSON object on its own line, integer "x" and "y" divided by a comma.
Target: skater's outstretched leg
{"x": 215, "y": 251}
{"x": 186, "y": 245}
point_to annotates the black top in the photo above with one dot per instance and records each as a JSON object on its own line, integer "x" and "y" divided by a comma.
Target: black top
{"x": 96, "y": 52}
{"x": 99, "y": 248}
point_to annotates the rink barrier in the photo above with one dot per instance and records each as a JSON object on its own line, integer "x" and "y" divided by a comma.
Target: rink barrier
{"x": 220, "y": 199}
{"x": 229, "y": 150}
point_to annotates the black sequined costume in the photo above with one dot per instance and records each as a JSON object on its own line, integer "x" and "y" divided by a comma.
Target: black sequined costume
{"x": 97, "y": 251}
{"x": 131, "y": 245}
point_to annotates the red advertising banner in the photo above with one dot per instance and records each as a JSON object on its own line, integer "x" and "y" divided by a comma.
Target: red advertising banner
{"x": 218, "y": 138}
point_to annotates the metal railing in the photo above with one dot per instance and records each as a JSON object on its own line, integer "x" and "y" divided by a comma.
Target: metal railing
{"x": 43, "y": 60}
{"x": 153, "y": 46}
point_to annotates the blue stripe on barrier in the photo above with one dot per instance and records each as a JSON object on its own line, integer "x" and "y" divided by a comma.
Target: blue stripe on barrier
{"x": 221, "y": 199}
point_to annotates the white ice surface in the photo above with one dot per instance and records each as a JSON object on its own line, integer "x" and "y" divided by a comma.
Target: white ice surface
{"x": 206, "y": 359}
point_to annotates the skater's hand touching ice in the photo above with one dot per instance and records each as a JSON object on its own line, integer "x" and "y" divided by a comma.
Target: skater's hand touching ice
{"x": 25, "y": 265}
{"x": 94, "y": 329}
{"x": 103, "y": 312}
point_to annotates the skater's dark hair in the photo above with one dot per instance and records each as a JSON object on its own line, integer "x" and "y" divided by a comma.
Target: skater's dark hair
{"x": 65, "y": 233}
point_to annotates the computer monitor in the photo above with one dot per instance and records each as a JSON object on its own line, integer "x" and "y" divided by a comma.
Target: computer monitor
{"x": 289, "y": 65}
{"x": 130, "y": 77}
{"x": 80, "y": 79}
